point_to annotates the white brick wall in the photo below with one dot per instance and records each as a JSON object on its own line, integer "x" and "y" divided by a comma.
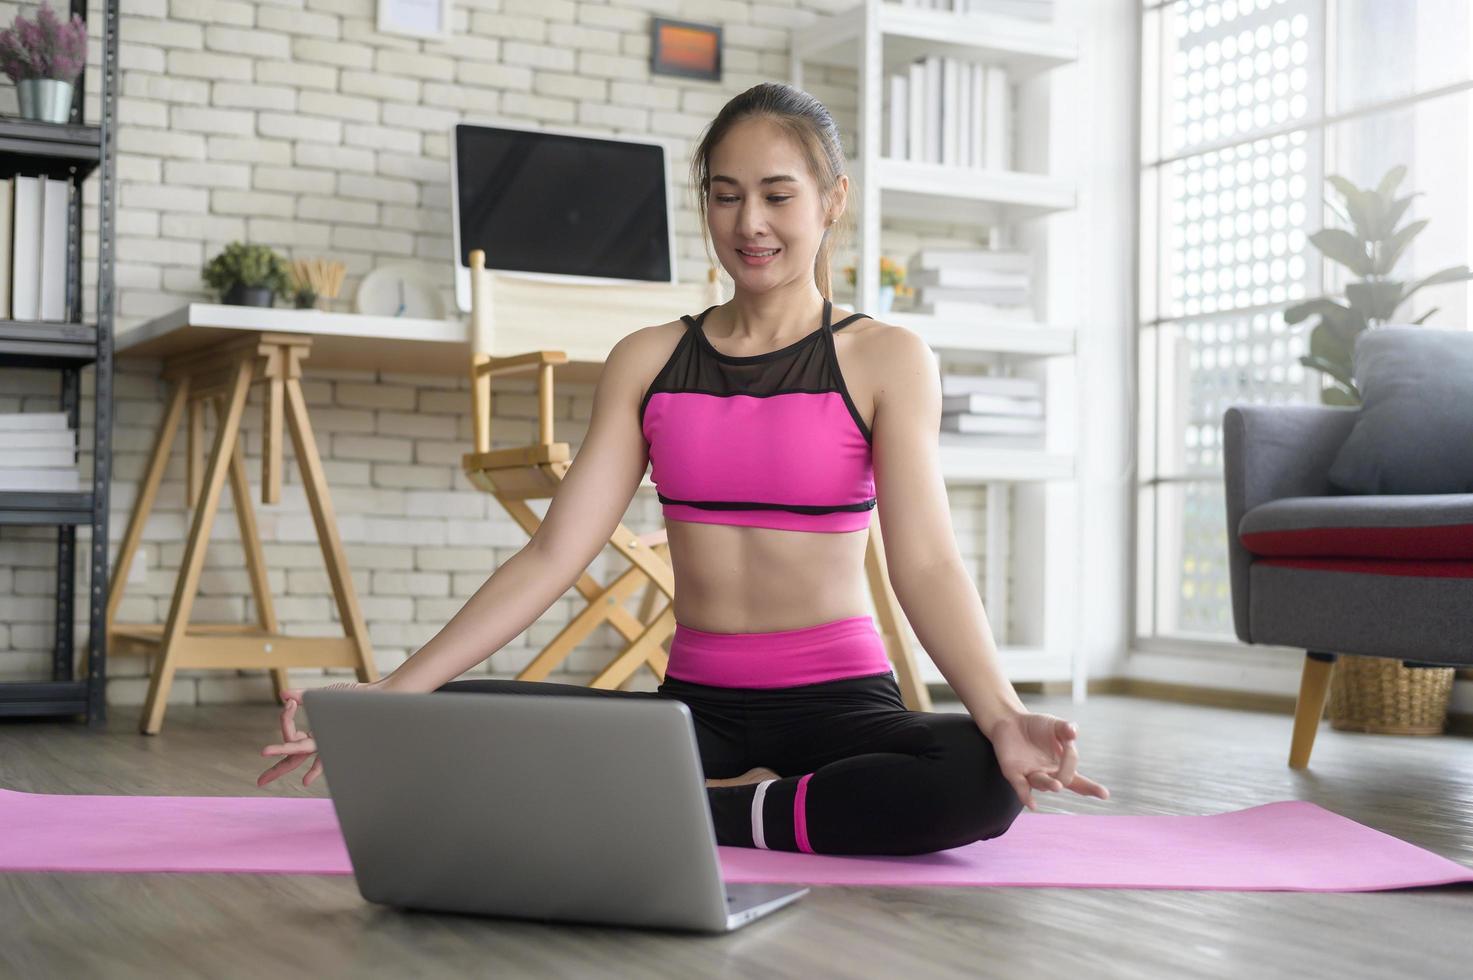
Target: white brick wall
{"x": 296, "y": 124}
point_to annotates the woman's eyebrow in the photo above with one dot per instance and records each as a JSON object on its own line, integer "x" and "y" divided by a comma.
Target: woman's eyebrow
{"x": 779, "y": 178}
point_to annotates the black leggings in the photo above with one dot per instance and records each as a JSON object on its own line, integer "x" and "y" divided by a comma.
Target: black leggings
{"x": 861, "y": 774}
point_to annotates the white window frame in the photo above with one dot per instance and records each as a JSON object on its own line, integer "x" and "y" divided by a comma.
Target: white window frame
{"x": 1321, "y": 118}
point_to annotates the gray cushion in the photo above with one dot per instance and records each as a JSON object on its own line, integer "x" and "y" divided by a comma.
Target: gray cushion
{"x": 1415, "y": 427}
{"x": 1436, "y": 526}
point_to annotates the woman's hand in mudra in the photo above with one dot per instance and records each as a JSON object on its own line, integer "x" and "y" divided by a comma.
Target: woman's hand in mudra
{"x": 1038, "y": 752}
{"x": 296, "y": 746}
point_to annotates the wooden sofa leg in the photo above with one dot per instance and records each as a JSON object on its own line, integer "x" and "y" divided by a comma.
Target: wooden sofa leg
{"x": 1314, "y": 684}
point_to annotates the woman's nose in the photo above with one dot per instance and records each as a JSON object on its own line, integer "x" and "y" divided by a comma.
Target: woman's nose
{"x": 750, "y": 220}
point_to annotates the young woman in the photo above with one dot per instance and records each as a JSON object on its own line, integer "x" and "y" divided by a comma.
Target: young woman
{"x": 775, "y": 424}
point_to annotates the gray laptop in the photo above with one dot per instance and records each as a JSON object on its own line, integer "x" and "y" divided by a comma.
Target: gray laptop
{"x": 546, "y": 807}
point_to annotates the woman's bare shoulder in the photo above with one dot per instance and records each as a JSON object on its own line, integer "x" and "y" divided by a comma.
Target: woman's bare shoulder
{"x": 874, "y": 339}
{"x": 641, "y": 354}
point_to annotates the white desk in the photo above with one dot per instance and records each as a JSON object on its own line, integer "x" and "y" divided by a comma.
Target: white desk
{"x": 349, "y": 341}
{"x": 583, "y": 321}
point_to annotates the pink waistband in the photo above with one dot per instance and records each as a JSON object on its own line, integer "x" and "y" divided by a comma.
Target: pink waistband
{"x": 850, "y": 647}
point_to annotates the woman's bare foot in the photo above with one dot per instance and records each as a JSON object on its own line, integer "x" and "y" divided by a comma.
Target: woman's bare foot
{"x": 750, "y": 776}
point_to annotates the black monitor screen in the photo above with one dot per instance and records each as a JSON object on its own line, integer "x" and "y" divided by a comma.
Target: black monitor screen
{"x": 567, "y": 205}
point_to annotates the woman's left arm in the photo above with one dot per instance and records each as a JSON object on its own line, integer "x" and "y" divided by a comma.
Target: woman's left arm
{"x": 926, "y": 569}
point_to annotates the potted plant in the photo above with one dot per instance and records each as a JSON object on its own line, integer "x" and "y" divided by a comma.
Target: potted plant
{"x": 247, "y": 275}
{"x": 892, "y": 282}
{"x": 43, "y": 58}
{"x": 300, "y": 289}
{"x": 1370, "y": 249}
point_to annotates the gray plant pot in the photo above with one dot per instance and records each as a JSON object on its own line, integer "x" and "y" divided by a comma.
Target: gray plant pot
{"x": 45, "y": 99}
{"x": 241, "y": 295}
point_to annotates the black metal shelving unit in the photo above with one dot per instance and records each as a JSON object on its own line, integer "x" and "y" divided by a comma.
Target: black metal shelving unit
{"x": 71, "y": 151}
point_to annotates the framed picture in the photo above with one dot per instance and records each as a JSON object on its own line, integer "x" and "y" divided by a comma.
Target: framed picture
{"x": 416, "y": 18}
{"x": 679, "y": 47}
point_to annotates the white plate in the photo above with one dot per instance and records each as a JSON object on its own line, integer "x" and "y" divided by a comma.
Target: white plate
{"x": 394, "y": 290}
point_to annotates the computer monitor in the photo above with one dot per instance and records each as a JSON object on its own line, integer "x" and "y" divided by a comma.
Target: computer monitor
{"x": 560, "y": 204}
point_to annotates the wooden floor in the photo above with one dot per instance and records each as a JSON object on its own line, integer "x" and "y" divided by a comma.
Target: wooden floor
{"x": 1155, "y": 757}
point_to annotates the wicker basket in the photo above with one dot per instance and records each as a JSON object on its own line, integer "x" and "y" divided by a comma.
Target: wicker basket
{"x": 1380, "y": 695}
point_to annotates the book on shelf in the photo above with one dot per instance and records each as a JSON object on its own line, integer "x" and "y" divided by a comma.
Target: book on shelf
{"x": 7, "y": 228}
{"x": 915, "y": 85}
{"x": 932, "y": 150}
{"x": 970, "y": 260}
{"x": 976, "y": 403}
{"x": 965, "y": 114}
{"x": 990, "y": 384}
{"x": 947, "y": 309}
{"x": 951, "y": 118}
{"x": 35, "y": 230}
{"x": 1022, "y": 9}
{"x": 38, "y": 439}
{"x": 1025, "y": 9}
{"x": 41, "y": 479}
{"x": 17, "y": 421}
{"x": 975, "y": 440}
{"x": 953, "y": 278}
{"x": 25, "y": 249}
{"x": 1008, "y": 425}
{"x": 26, "y": 458}
{"x": 55, "y": 197}
{"x": 972, "y": 295}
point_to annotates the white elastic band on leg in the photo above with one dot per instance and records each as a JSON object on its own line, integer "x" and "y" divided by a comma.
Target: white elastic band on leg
{"x": 757, "y": 836}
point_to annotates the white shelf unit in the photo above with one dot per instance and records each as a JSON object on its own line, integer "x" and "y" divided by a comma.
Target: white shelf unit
{"x": 1032, "y": 504}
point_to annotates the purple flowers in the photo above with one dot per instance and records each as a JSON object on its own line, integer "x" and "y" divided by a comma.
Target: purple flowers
{"x": 46, "y": 47}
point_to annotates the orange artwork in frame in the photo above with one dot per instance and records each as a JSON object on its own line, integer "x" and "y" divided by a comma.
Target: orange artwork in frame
{"x": 685, "y": 49}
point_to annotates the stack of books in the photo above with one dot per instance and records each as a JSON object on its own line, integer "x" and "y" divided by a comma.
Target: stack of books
{"x": 971, "y": 284}
{"x": 951, "y": 112}
{"x": 991, "y": 410}
{"x": 38, "y": 451}
{"x": 33, "y": 247}
{"x": 1027, "y": 9}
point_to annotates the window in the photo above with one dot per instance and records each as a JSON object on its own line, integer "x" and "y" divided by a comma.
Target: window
{"x": 1247, "y": 107}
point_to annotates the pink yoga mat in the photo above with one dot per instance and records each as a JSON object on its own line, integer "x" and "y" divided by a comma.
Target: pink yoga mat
{"x": 1286, "y": 846}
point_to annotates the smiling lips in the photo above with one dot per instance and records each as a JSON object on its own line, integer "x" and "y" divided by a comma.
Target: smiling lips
{"x": 758, "y": 257}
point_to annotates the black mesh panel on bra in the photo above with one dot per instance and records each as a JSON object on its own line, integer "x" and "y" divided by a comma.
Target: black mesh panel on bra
{"x": 806, "y": 365}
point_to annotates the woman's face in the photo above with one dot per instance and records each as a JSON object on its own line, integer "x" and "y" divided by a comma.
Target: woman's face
{"x": 763, "y": 200}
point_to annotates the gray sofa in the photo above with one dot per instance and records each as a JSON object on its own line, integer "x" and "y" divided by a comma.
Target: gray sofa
{"x": 1380, "y": 575}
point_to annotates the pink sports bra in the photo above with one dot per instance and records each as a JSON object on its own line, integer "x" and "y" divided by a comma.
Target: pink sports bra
{"x": 769, "y": 440}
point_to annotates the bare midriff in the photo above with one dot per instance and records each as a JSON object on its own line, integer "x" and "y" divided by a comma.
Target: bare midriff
{"x": 733, "y": 579}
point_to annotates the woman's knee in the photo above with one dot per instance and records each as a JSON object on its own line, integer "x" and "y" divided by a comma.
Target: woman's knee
{"x": 985, "y": 801}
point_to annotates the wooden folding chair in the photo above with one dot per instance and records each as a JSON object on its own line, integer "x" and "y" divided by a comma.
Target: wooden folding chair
{"x": 517, "y": 475}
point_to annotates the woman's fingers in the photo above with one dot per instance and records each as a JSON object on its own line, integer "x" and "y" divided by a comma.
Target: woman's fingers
{"x": 288, "y": 721}
{"x": 1039, "y": 779}
{"x": 314, "y": 772}
{"x": 282, "y": 767}
{"x": 1088, "y": 787}
{"x": 1024, "y": 791}
{"x": 1070, "y": 761}
{"x": 303, "y": 745}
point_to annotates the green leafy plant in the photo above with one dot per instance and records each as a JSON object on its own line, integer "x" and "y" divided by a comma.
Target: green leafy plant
{"x": 247, "y": 265}
{"x": 1370, "y": 249}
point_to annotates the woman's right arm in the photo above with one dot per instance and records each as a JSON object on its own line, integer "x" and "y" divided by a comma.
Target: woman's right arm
{"x": 580, "y": 519}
